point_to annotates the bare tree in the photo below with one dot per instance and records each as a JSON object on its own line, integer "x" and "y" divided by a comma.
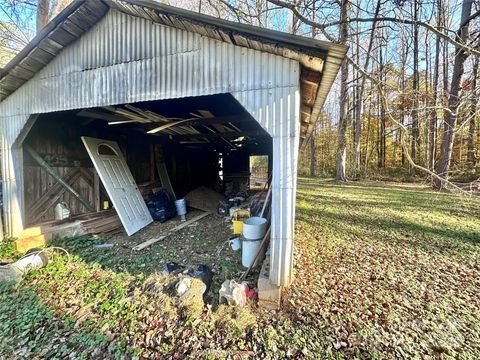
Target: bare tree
{"x": 471, "y": 159}
{"x": 343, "y": 119}
{"x": 453, "y": 101}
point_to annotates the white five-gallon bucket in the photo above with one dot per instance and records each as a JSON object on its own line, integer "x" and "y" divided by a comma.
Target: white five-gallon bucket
{"x": 254, "y": 228}
{"x": 181, "y": 206}
{"x": 249, "y": 250}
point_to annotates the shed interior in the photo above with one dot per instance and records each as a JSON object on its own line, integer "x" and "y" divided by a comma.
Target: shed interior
{"x": 211, "y": 149}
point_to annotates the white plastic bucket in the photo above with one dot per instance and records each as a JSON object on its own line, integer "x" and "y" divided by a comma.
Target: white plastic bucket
{"x": 254, "y": 228}
{"x": 181, "y": 206}
{"x": 249, "y": 250}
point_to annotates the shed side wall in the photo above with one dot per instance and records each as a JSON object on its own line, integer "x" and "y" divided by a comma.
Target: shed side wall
{"x": 124, "y": 59}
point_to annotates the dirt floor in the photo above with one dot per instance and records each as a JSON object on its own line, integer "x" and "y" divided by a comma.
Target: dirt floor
{"x": 203, "y": 242}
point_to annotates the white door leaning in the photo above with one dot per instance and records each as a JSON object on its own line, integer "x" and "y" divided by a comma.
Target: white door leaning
{"x": 119, "y": 183}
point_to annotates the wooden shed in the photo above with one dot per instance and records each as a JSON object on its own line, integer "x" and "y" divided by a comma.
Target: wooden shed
{"x": 259, "y": 91}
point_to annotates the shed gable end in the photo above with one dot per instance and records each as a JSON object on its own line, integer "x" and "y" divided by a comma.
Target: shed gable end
{"x": 125, "y": 59}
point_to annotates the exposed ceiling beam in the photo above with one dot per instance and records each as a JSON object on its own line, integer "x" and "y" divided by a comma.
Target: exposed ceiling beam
{"x": 229, "y": 135}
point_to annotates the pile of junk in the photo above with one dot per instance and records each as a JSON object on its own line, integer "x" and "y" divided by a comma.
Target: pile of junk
{"x": 249, "y": 218}
{"x": 250, "y": 222}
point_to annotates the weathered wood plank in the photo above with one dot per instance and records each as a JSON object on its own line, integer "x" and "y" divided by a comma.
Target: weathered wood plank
{"x": 42, "y": 205}
{"x": 52, "y": 172}
{"x": 174, "y": 230}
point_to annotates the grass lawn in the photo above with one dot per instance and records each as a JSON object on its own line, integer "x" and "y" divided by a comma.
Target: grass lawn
{"x": 382, "y": 271}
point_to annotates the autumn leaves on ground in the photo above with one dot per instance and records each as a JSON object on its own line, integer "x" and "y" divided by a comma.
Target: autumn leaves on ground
{"x": 382, "y": 271}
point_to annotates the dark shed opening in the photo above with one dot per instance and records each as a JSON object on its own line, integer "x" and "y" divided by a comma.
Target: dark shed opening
{"x": 211, "y": 150}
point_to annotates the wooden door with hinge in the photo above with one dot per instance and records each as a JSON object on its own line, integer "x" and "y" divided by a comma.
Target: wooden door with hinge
{"x": 119, "y": 183}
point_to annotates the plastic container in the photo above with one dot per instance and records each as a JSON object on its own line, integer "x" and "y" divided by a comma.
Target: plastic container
{"x": 249, "y": 250}
{"x": 61, "y": 211}
{"x": 237, "y": 227}
{"x": 181, "y": 206}
{"x": 254, "y": 228}
{"x": 241, "y": 214}
{"x": 235, "y": 243}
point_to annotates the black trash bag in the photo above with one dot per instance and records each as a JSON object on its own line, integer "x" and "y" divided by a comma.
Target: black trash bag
{"x": 172, "y": 267}
{"x": 204, "y": 273}
{"x": 162, "y": 205}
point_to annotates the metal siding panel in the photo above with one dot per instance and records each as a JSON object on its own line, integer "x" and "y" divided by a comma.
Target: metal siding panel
{"x": 277, "y": 110}
{"x": 116, "y": 62}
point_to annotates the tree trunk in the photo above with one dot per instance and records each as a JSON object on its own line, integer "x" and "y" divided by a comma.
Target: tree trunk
{"x": 471, "y": 160}
{"x": 402, "y": 91}
{"x": 312, "y": 154}
{"x": 451, "y": 115}
{"x": 43, "y": 14}
{"x": 359, "y": 106}
{"x": 342, "y": 122}
{"x": 433, "y": 114}
{"x": 415, "y": 131}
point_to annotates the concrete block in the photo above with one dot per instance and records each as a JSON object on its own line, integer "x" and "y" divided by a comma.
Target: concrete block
{"x": 269, "y": 294}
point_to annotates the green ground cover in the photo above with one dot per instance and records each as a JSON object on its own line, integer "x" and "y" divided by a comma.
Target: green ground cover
{"x": 382, "y": 271}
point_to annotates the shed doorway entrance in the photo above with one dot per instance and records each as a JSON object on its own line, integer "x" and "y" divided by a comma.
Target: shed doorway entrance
{"x": 207, "y": 143}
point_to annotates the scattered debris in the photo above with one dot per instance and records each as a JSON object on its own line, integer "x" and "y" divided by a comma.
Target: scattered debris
{"x": 235, "y": 243}
{"x": 223, "y": 208}
{"x": 175, "y": 229}
{"x": 16, "y": 270}
{"x": 149, "y": 188}
{"x": 204, "y": 273}
{"x": 62, "y": 211}
{"x": 103, "y": 246}
{"x": 184, "y": 285}
{"x": 233, "y": 293}
{"x": 172, "y": 268}
{"x": 181, "y": 206}
{"x": 190, "y": 291}
{"x": 105, "y": 222}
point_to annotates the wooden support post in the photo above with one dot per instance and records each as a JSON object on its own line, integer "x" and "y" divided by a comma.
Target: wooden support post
{"x": 152, "y": 162}
{"x": 57, "y": 177}
{"x": 96, "y": 191}
{"x": 162, "y": 170}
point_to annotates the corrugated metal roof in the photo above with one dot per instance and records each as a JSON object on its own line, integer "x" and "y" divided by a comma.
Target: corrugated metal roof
{"x": 319, "y": 60}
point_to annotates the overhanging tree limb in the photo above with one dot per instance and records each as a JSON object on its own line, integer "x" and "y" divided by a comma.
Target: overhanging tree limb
{"x": 296, "y": 11}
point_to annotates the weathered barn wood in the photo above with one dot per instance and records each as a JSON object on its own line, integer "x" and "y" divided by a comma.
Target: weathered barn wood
{"x": 102, "y": 53}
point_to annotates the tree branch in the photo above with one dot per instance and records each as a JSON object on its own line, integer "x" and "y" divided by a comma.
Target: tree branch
{"x": 295, "y": 10}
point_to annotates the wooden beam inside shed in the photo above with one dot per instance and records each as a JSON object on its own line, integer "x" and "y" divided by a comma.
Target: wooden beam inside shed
{"x": 229, "y": 135}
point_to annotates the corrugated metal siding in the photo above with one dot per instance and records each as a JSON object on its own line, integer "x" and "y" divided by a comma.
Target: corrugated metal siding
{"x": 278, "y": 111}
{"x": 124, "y": 59}
{"x": 128, "y": 59}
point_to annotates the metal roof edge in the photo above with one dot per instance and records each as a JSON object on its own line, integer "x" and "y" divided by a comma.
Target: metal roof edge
{"x": 251, "y": 30}
{"x": 56, "y": 21}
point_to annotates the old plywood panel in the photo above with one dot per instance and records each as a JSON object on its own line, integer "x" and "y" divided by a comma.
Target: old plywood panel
{"x": 119, "y": 183}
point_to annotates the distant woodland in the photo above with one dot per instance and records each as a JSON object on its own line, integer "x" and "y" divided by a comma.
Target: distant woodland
{"x": 406, "y": 101}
